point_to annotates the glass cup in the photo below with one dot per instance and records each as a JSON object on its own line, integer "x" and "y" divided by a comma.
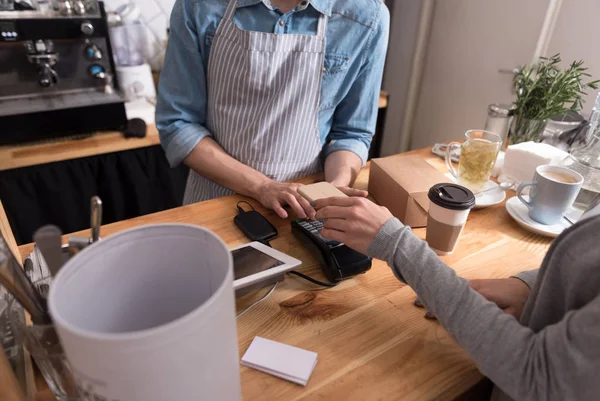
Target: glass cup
{"x": 478, "y": 155}
{"x": 42, "y": 343}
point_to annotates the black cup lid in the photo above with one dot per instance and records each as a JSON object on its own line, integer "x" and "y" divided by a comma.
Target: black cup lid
{"x": 451, "y": 196}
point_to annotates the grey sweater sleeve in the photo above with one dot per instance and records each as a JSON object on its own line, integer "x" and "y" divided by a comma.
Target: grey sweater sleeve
{"x": 524, "y": 364}
{"x": 528, "y": 277}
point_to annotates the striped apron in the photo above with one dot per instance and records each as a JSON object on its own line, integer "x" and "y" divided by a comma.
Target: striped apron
{"x": 263, "y": 102}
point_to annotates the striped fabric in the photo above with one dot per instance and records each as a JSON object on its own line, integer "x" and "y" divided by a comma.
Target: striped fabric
{"x": 263, "y": 102}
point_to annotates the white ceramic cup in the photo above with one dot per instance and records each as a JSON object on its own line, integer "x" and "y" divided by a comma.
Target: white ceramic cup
{"x": 149, "y": 314}
{"x": 553, "y": 191}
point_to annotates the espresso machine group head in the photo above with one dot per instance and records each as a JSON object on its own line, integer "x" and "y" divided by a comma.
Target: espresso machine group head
{"x": 57, "y": 74}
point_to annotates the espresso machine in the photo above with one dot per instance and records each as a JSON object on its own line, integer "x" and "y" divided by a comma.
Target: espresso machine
{"x": 57, "y": 74}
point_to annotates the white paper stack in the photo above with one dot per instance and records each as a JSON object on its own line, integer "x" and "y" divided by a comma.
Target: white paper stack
{"x": 521, "y": 160}
{"x": 281, "y": 360}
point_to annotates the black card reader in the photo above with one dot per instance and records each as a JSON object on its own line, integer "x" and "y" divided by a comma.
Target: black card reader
{"x": 337, "y": 260}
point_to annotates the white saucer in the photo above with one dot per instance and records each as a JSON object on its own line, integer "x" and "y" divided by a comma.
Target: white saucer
{"x": 520, "y": 213}
{"x": 491, "y": 197}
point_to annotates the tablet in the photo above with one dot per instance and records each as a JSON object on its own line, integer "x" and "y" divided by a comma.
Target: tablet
{"x": 255, "y": 262}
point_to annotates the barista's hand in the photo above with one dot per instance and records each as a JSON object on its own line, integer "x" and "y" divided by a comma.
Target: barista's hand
{"x": 275, "y": 195}
{"x": 353, "y": 221}
{"x": 510, "y": 294}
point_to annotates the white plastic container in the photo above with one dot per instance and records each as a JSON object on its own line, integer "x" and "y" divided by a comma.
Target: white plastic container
{"x": 136, "y": 82}
{"x": 149, "y": 314}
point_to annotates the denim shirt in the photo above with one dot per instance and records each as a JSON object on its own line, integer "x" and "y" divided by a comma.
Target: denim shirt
{"x": 356, "y": 45}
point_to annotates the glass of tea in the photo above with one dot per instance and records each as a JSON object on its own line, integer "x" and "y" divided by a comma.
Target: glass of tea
{"x": 478, "y": 155}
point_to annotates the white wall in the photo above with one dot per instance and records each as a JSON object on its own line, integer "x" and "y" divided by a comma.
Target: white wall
{"x": 400, "y": 70}
{"x": 575, "y": 38}
{"x": 470, "y": 41}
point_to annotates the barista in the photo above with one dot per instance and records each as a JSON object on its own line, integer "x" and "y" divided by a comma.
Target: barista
{"x": 255, "y": 93}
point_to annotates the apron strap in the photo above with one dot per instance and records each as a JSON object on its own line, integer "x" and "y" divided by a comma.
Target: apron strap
{"x": 231, "y": 7}
{"x": 322, "y": 25}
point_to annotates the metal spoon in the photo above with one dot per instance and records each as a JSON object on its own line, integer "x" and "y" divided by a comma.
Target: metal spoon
{"x": 96, "y": 218}
{"x": 505, "y": 186}
{"x": 77, "y": 244}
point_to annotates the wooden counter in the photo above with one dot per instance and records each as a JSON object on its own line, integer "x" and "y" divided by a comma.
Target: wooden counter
{"x": 65, "y": 149}
{"x": 373, "y": 344}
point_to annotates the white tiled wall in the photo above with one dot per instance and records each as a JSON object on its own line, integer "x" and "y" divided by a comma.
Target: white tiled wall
{"x": 155, "y": 15}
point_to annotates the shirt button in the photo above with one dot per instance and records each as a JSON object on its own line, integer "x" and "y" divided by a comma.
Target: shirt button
{"x": 281, "y": 22}
{"x": 324, "y": 69}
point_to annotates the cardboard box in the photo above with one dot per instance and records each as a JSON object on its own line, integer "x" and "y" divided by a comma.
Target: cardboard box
{"x": 401, "y": 184}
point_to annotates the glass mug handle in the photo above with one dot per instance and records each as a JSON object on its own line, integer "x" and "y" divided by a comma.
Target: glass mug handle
{"x": 524, "y": 185}
{"x": 451, "y": 145}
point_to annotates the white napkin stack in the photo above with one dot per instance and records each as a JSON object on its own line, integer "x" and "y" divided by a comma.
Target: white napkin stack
{"x": 521, "y": 160}
{"x": 281, "y": 360}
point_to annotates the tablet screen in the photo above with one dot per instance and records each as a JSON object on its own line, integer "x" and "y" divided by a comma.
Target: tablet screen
{"x": 248, "y": 261}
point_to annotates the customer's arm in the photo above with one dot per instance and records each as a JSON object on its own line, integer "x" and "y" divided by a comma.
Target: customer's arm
{"x": 181, "y": 121}
{"x": 524, "y": 364}
{"x": 528, "y": 277}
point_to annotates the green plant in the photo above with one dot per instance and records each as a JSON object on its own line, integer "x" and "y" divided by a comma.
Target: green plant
{"x": 545, "y": 90}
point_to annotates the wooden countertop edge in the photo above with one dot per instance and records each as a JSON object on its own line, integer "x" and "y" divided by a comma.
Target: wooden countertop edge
{"x": 7, "y": 234}
{"x": 12, "y": 157}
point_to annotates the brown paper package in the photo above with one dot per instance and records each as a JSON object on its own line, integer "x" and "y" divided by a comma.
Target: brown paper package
{"x": 401, "y": 183}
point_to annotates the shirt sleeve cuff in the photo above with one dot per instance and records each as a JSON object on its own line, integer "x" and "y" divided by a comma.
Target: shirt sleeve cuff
{"x": 183, "y": 142}
{"x": 384, "y": 243}
{"x": 529, "y": 277}
{"x": 355, "y": 146}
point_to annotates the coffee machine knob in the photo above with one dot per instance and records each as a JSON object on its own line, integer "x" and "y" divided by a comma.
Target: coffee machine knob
{"x": 93, "y": 52}
{"x": 97, "y": 71}
{"x": 87, "y": 28}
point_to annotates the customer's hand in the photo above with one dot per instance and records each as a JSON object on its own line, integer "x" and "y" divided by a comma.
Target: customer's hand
{"x": 275, "y": 195}
{"x": 353, "y": 192}
{"x": 510, "y": 294}
{"x": 353, "y": 221}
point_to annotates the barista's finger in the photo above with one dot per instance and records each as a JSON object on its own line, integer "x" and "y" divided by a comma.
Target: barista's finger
{"x": 293, "y": 202}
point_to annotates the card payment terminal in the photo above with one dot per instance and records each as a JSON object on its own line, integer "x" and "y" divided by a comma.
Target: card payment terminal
{"x": 337, "y": 260}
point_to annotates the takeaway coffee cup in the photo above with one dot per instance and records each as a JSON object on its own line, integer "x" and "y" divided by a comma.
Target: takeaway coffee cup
{"x": 449, "y": 208}
{"x": 149, "y": 314}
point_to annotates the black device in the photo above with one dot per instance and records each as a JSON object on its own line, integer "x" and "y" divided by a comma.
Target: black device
{"x": 57, "y": 74}
{"x": 337, "y": 260}
{"x": 136, "y": 128}
{"x": 254, "y": 225}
